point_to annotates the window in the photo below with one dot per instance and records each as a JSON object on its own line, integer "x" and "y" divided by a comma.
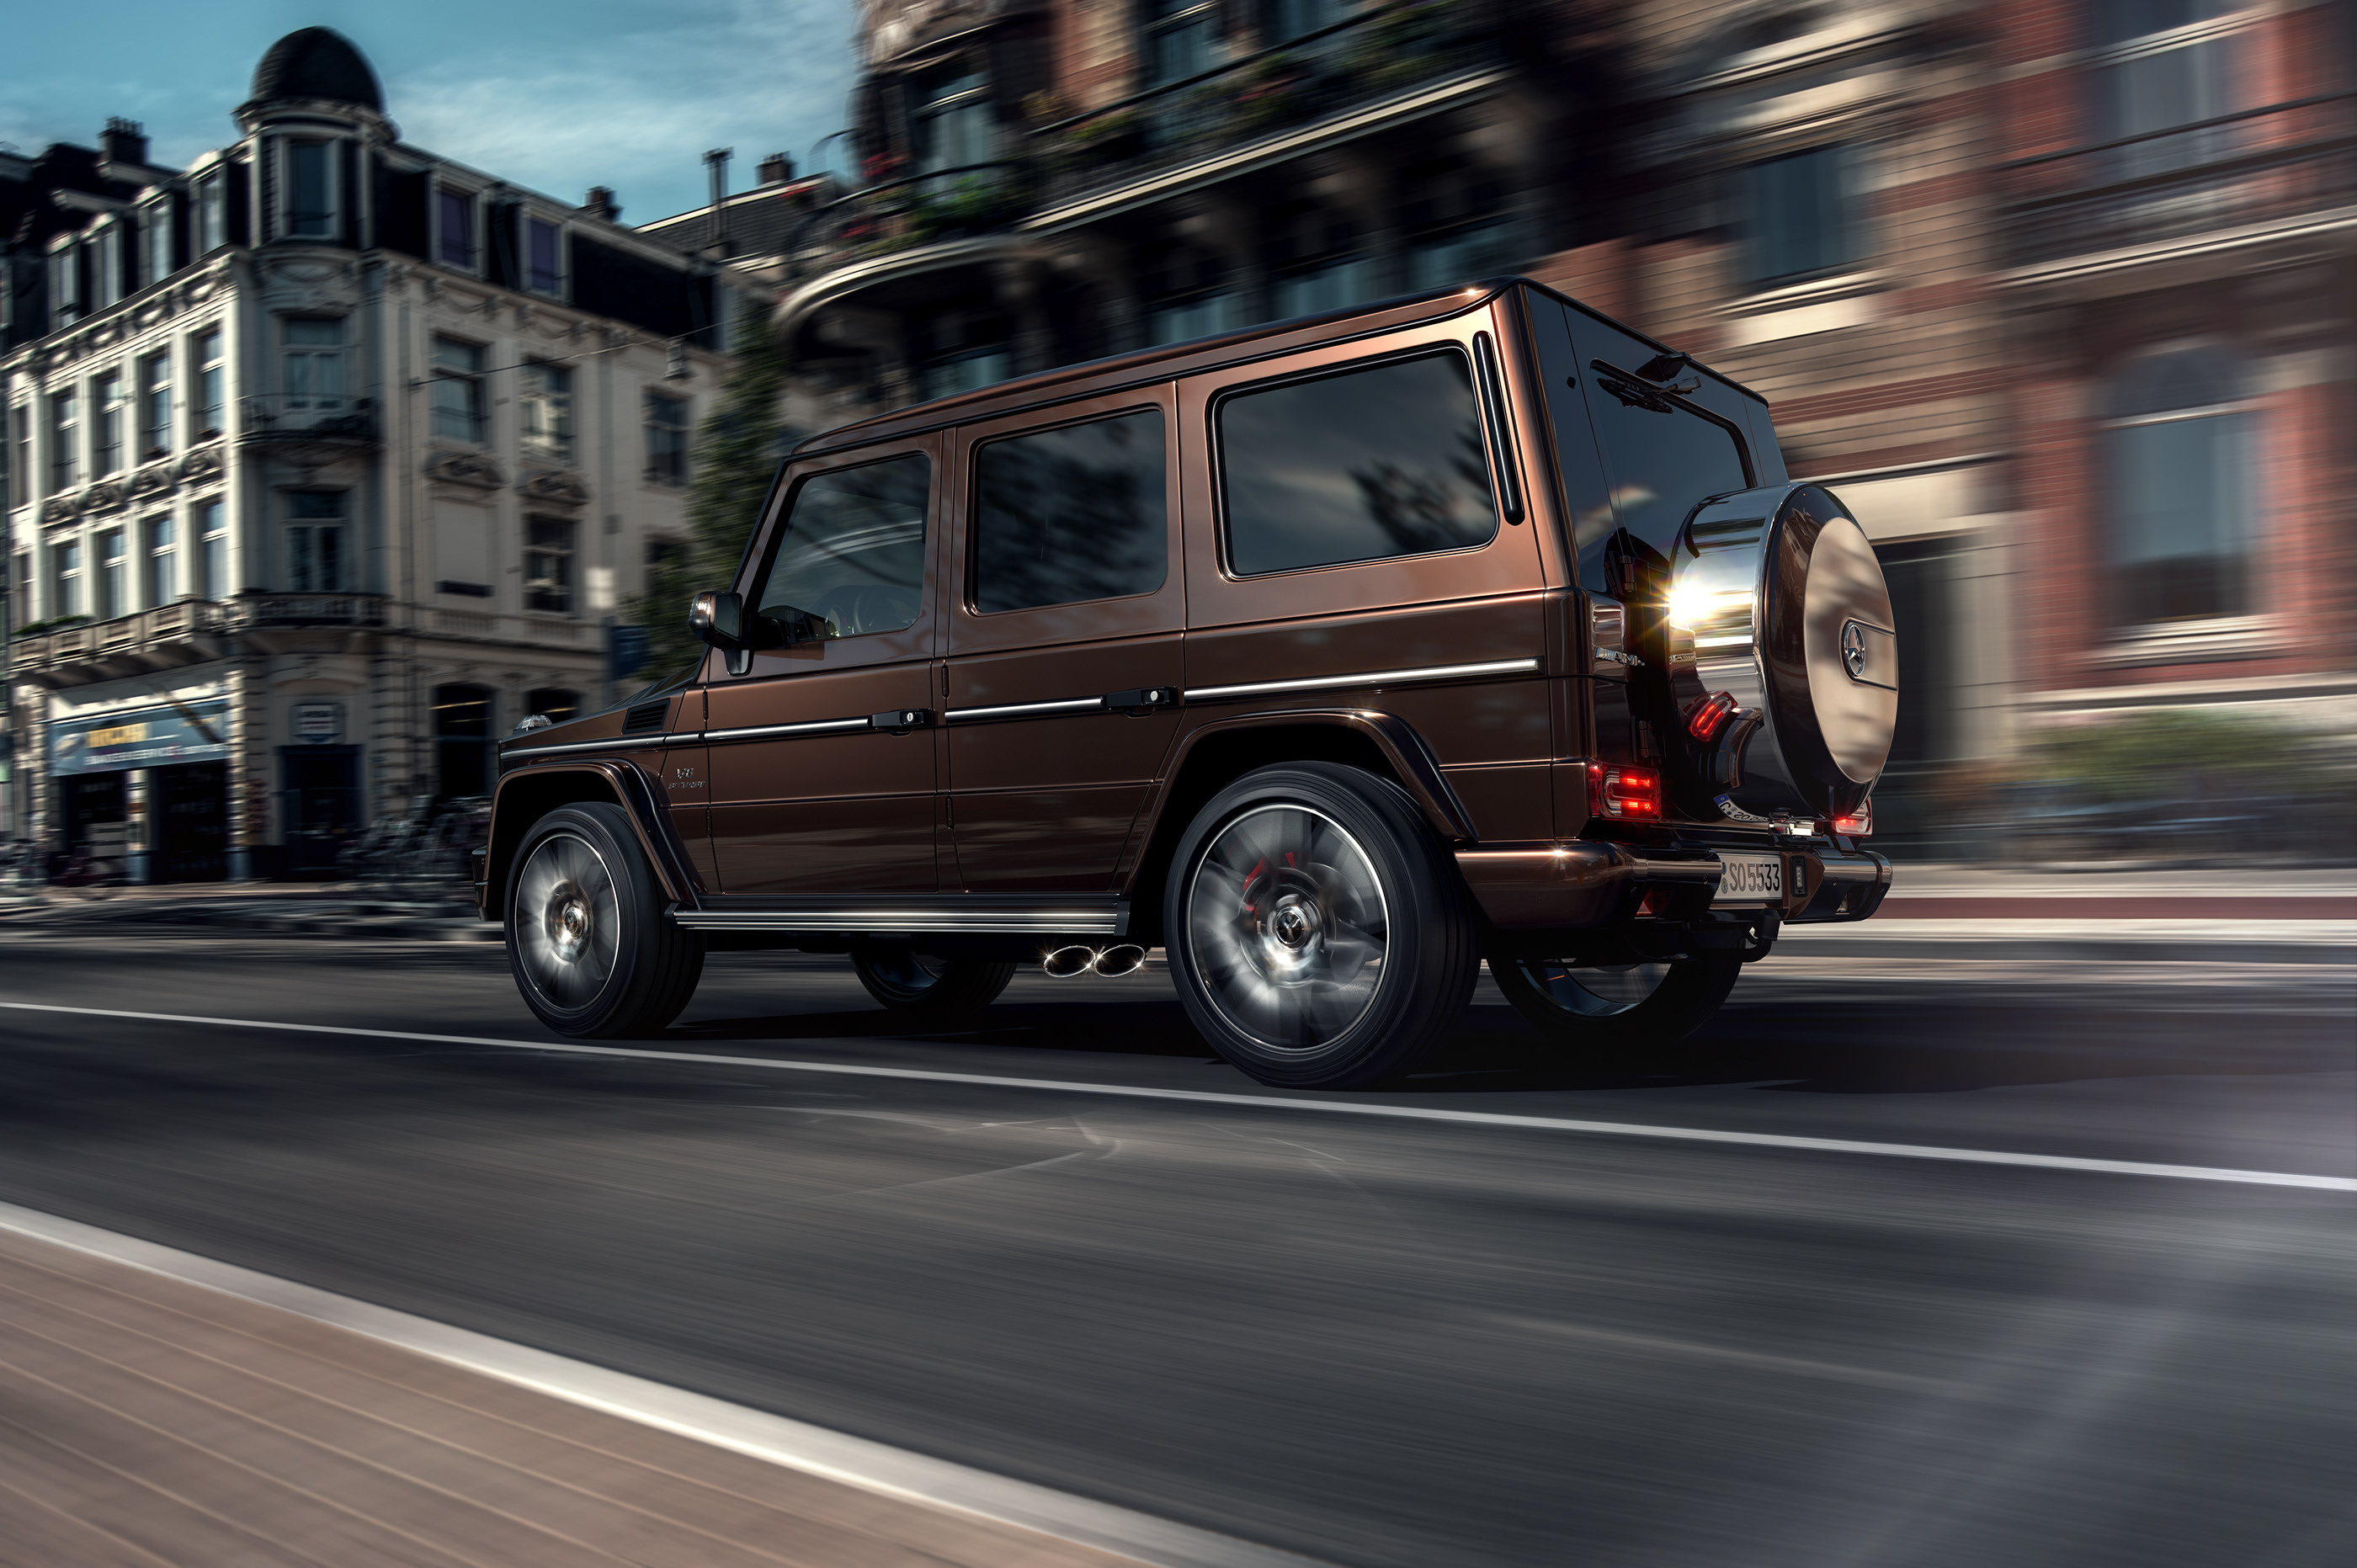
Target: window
{"x": 1284, "y": 19}
{"x": 553, "y": 703}
{"x": 1661, "y": 456}
{"x": 1204, "y": 316}
{"x": 666, "y": 439}
{"x": 1797, "y": 216}
{"x": 212, "y": 551}
{"x": 155, "y": 406}
{"x": 1069, "y": 515}
{"x": 205, "y": 351}
{"x": 310, "y": 204}
{"x": 113, "y": 572}
{"x": 543, "y": 256}
{"x": 315, "y": 541}
{"x": 106, "y": 429}
{"x": 20, "y": 472}
{"x": 955, "y": 123}
{"x": 853, "y": 555}
{"x": 1363, "y": 466}
{"x": 20, "y": 584}
{"x": 163, "y": 563}
{"x": 545, "y": 401}
{"x": 2156, "y": 68}
{"x": 1332, "y": 285}
{"x": 109, "y": 264}
{"x": 155, "y": 228}
{"x": 454, "y": 213}
{"x": 65, "y": 439}
{"x": 65, "y": 285}
{"x": 548, "y": 565}
{"x": 2177, "y": 456}
{"x": 462, "y": 738}
{"x": 457, "y": 390}
{"x": 65, "y": 564}
{"x": 213, "y": 213}
{"x": 314, "y": 364}
{"x": 1182, "y": 37}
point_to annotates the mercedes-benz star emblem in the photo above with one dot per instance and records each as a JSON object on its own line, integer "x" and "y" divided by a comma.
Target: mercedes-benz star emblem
{"x": 1854, "y": 650}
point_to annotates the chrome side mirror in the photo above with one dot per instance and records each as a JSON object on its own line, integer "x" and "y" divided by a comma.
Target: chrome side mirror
{"x": 718, "y": 620}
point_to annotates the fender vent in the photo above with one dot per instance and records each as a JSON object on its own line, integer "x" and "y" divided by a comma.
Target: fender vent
{"x": 646, "y": 717}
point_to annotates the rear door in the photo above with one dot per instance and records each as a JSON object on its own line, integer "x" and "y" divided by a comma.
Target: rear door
{"x": 1063, "y": 626}
{"x": 821, "y": 754}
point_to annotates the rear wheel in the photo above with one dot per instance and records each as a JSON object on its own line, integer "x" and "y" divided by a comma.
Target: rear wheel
{"x": 1318, "y": 935}
{"x": 909, "y": 982}
{"x": 587, "y": 937}
{"x": 1622, "y": 1010}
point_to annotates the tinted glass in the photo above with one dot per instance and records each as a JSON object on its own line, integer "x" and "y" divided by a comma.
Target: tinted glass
{"x": 852, "y": 558}
{"x": 1070, "y": 515}
{"x": 1364, "y": 465}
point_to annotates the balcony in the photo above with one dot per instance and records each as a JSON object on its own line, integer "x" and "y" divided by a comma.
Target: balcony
{"x": 2196, "y": 199}
{"x": 143, "y": 643}
{"x": 304, "y": 426}
{"x": 254, "y": 609}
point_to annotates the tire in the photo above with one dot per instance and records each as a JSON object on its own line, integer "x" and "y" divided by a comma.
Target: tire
{"x": 1318, "y": 935}
{"x": 907, "y": 982}
{"x": 588, "y": 939}
{"x": 1626, "y": 1012}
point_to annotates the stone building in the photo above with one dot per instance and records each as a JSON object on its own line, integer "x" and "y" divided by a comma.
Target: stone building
{"x": 329, "y": 459}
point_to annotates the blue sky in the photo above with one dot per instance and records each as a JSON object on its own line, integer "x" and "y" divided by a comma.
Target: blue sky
{"x": 558, "y": 95}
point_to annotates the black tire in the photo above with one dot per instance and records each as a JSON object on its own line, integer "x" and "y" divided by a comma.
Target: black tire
{"x": 1623, "y": 1013}
{"x": 1318, "y": 934}
{"x": 907, "y": 982}
{"x": 588, "y": 939}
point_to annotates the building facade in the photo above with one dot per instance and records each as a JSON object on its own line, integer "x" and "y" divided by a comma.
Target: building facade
{"x": 330, "y": 459}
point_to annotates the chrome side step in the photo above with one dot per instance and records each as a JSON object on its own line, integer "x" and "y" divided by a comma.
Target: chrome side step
{"x": 974, "y": 915}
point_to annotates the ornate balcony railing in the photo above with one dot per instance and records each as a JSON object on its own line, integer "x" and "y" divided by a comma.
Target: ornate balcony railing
{"x": 142, "y": 642}
{"x": 2251, "y": 171}
{"x": 283, "y": 419}
{"x": 256, "y": 609}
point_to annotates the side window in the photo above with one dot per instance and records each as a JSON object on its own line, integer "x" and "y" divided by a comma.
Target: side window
{"x": 1065, "y": 516}
{"x": 852, "y": 557}
{"x": 1367, "y": 465}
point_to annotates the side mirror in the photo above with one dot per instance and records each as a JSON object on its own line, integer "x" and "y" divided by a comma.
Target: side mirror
{"x": 717, "y": 621}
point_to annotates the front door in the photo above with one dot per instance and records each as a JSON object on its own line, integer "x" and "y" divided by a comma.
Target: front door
{"x": 820, "y": 754}
{"x": 1063, "y": 639}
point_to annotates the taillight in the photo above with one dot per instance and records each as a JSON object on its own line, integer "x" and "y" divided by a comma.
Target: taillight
{"x": 1859, "y": 823}
{"x": 1627, "y": 793}
{"x": 1706, "y": 718}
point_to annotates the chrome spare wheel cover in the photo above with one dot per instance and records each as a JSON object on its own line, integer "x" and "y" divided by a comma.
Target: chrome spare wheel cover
{"x": 567, "y": 918}
{"x": 1593, "y": 992}
{"x": 1289, "y": 926}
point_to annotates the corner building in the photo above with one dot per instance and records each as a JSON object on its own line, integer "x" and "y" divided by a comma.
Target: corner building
{"x": 328, "y": 460}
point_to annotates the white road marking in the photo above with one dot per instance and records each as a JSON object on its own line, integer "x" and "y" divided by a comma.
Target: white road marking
{"x": 779, "y": 1440}
{"x": 1273, "y": 1101}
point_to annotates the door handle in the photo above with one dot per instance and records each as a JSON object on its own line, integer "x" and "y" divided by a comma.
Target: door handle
{"x": 900, "y": 721}
{"x": 1140, "y": 697}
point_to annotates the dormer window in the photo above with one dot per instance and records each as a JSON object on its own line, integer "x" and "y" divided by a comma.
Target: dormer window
{"x": 110, "y": 265}
{"x": 311, "y": 191}
{"x": 454, "y": 224}
{"x": 65, "y": 284}
{"x": 213, "y": 213}
{"x": 545, "y": 257}
{"x": 155, "y": 237}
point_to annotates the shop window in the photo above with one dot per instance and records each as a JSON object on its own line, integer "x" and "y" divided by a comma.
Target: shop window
{"x": 545, "y": 396}
{"x": 1798, "y": 216}
{"x": 1069, "y": 515}
{"x": 462, "y": 738}
{"x": 552, "y": 703}
{"x": 205, "y": 352}
{"x": 316, "y": 558}
{"x": 314, "y": 364}
{"x": 163, "y": 563}
{"x": 155, "y": 406}
{"x": 2178, "y": 475}
{"x": 106, "y": 425}
{"x": 549, "y": 543}
{"x": 666, "y": 420}
{"x": 311, "y": 194}
{"x": 457, "y": 390}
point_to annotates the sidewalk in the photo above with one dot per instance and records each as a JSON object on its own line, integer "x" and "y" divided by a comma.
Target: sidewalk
{"x": 333, "y": 910}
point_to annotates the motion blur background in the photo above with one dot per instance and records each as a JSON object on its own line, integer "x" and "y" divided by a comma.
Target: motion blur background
{"x": 2055, "y": 293}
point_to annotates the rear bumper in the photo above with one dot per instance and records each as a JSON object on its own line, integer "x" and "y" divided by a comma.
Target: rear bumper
{"x": 1581, "y": 884}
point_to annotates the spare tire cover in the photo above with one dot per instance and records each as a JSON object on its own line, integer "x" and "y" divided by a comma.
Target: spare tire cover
{"x": 1789, "y": 613}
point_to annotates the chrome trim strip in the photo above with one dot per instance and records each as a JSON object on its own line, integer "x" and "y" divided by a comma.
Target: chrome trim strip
{"x": 611, "y": 743}
{"x": 762, "y": 732}
{"x": 1014, "y": 710}
{"x": 1020, "y": 922}
{"x": 1371, "y": 678}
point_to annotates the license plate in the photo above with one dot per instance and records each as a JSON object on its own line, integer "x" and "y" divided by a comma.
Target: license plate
{"x": 1748, "y": 879}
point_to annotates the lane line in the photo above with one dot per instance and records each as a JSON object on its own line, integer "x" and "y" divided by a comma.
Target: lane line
{"x": 779, "y": 1440}
{"x": 1273, "y": 1101}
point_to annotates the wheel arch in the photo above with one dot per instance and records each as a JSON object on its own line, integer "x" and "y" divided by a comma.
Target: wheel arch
{"x": 526, "y": 795}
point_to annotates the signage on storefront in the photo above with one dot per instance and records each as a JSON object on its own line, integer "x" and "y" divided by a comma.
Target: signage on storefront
{"x": 319, "y": 723}
{"x": 149, "y": 737}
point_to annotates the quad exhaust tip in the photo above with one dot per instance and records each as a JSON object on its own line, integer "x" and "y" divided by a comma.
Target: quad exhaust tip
{"x": 1067, "y": 962}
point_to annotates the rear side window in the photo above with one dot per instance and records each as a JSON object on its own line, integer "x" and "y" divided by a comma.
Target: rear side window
{"x": 1663, "y": 456}
{"x": 1065, "y": 516}
{"x": 853, "y": 556}
{"x": 1365, "y": 465}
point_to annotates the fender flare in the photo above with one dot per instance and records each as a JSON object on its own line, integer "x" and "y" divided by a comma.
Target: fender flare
{"x": 631, "y": 788}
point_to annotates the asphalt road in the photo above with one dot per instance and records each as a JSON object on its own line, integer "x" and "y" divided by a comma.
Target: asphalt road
{"x": 1369, "y": 1340}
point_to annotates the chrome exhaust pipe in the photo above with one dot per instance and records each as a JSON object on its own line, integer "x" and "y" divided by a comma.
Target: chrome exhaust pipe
{"x": 1064, "y": 963}
{"x": 1127, "y": 957}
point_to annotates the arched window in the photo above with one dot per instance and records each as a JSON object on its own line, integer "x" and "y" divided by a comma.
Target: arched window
{"x": 2176, "y": 447}
{"x": 462, "y": 738}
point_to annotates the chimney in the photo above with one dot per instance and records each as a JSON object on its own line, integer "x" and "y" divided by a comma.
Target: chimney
{"x": 125, "y": 141}
{"x": 601, "y": 204}
{"x": 777, "y": 169}
{"x": 717, "y": 162}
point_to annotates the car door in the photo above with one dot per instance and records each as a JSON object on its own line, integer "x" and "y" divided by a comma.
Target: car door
{"x": 821, "y": 753}
{"x": 1063, "y": 629}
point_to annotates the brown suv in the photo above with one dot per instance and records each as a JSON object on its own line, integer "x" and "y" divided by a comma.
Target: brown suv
{"x": 1332, "y": 657}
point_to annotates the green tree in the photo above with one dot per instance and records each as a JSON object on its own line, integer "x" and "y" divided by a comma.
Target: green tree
{"x": 737, "y": 452}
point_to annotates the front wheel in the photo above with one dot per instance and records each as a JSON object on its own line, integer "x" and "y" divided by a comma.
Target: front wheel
{"x": 1618, "y": 1011}
{"x": 1317, "y": 933}
{"x": 907, "y": 982}
{"x": 588, "y": 942}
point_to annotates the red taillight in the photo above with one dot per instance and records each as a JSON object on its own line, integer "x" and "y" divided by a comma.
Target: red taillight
{"x": 1628, "y": 793}
{"x": 1705, "y": 718}
{"x": 1859, "y": 823}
